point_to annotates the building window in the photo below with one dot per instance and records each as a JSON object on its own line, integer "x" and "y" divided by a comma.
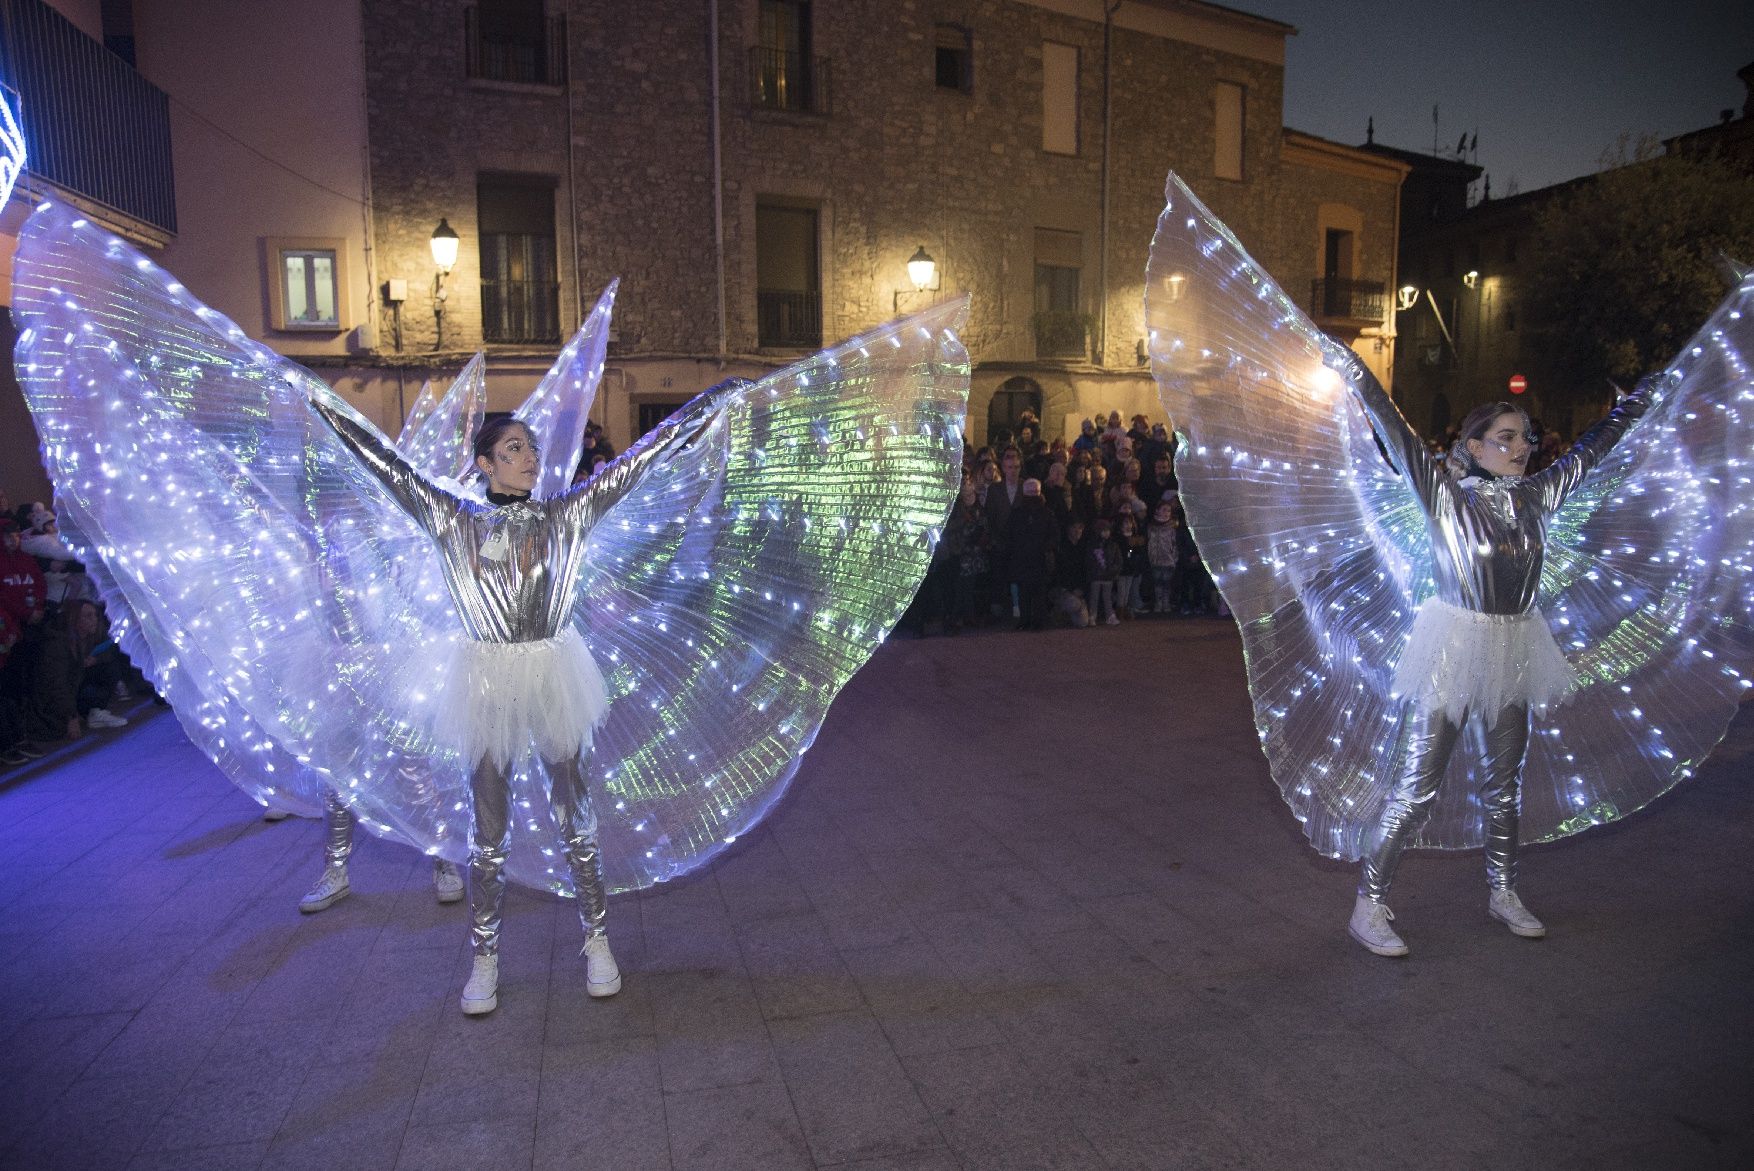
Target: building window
{"x": 788, "y": 277}
{"x": 308, "y": 285}
{"x": 955, "y": 58}
{"x": 514, "y": 40}
{"x": 786, "y": 73}
{"x": 1062, "y": 328}
{"x": 520, "y": 287}
{"x": 1059, "y": 98}
{"x": 1227, "y": 109}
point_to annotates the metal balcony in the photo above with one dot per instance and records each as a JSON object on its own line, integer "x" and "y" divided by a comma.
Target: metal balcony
{"x": 787, "y": 319}
{"x": 1340, "y": 299}
{"x": 788, "y": 81}
{"x": 524, "y": 60}
{"x": 92, "y": 125}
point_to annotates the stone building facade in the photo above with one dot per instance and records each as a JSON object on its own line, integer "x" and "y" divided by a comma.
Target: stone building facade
{"x": 617, "y": 131}
{"x": 757, "y": 173}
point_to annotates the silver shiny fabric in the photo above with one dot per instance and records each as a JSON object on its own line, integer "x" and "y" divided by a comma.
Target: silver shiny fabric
{"x": 490, "y": 838}
{"x": 512, "y": 571}
{"x": 338, "y": 822}
{"x": 1489, "y": 535}
{"x": 1497, "y": 747}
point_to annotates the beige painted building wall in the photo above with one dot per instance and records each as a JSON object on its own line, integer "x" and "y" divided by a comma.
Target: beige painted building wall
{"x": 268, "y": 139}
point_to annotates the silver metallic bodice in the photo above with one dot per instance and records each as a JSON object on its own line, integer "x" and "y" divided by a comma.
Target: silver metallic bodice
{"x": 513, "y": 569}
{"x": 1488, "y": 536}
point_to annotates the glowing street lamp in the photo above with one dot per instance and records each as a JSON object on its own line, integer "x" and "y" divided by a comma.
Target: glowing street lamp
{"x": 444, "y": 255}
{"x": 922, "y": 272}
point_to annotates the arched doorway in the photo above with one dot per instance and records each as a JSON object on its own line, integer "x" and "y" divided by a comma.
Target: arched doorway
{"x": 1005, "y": 411}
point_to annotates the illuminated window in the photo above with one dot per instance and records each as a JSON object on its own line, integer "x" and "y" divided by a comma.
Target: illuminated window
{"x": 1227, "y": 108}
{"x": 308, "y": 285}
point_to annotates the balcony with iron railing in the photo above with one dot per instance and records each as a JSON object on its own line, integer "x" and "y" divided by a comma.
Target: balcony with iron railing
{"x": 1344, "y": 299}
{"x": 93, "y": 126}
{"x": 794, "y": 82}
{"x": 520, "y": 312}
{"x": 787, "y": 319}
{"x": 531, "y": 58}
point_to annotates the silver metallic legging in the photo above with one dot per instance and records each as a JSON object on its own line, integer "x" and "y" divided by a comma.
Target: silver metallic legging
{"x": 337, "y": 829}
{"x": 490, "y": 838}
{"x": 1498, "y": 751}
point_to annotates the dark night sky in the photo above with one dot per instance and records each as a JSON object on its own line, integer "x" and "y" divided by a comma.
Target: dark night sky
{"x": 1549, "y": 86}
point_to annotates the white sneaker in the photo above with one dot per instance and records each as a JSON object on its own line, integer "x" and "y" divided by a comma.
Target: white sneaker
{"x": 101, "y": 717}
{"x": 481, "y": 993}
{"x": 602, "y": 977}
{"x": 331, "y": 888}
{"x": 276, "y": 814}
{"x": 1370, "y": 926}
{"x": 447, "y": 881}
{"x": 1507, "y": 908}
{"x": 1112, "y": 621}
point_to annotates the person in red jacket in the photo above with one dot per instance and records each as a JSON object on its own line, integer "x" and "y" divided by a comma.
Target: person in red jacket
{"x": 21, "y": 616}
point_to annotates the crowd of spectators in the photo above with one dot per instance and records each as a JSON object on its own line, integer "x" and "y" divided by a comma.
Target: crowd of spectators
{"x": 1066, "y": 534}
{"x": 59, "y": 668}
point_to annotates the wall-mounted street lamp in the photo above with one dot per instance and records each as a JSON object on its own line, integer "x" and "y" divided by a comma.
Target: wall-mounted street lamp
{"x": 1471, "y": 278}
{"x": 922, "y": 271}
{"x": 1406, "y": 297}
{"x": 1175, "y": 284}
{"x": 444, "y": 255}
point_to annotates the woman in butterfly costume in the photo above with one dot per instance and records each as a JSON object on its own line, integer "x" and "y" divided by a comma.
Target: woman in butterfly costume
{"x": 332, "y": 610}
{"x": 1584, "y": 635}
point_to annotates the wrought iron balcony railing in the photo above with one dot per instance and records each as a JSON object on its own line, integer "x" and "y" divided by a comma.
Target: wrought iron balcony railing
{"x": 527, "y": 60}
{"x": 1350, "y": 300}
{"x": 520, "y": 312}
{"x": 788, "y": 81}
{"x": 92, "y": 125}
{"x": 785, "y": 319}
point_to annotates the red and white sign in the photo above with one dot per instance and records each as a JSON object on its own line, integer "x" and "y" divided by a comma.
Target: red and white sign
{"x": 1518, "y": 384}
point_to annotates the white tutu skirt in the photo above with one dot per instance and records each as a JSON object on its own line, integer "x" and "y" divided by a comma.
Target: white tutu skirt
{"x": 501, "y": 700}
{"x": 1460, "y": 660}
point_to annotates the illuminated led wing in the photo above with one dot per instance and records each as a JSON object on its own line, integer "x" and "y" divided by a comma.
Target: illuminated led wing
{"x": 733, "y": 594}
{"x": 298, "y": 620}
{"x": 1321, "y": 552}
{"x": 557, "y": 410}
{"x": 219, "y": 521}
{"x": 1649, "y": 586}
{"x": 424, "y": 402}
{"x": 439, "y": 443}
{"x": 1316, "y": 543}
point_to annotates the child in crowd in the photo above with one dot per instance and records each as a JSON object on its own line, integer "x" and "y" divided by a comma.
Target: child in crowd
{"x": 1133, "y": 564}
{"x": 1066, "y": 598}
{"x": 1102, "y": 565}
{"x": 1161, "y": 551}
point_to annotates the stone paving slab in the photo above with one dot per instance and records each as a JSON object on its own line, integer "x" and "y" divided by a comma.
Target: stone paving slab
{"x": 1032, "y": 902}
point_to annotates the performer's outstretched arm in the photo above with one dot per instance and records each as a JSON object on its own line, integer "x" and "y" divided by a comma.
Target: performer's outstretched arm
{"x": 429, "y": 505}
{"x": 579, "y": 509}
{"x": 1406, "y": 450}
{"x": 1563, "y": 475}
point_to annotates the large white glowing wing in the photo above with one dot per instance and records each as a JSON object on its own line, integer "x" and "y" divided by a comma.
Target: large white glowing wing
{"x": 557, "y": 410}
{"x": 737, "y": 589}
{"x": 440, "y": 440}
{"x": 262, "y": 589}
{"x": 1317, "y": 544}
{"x": 1649, "y": 586}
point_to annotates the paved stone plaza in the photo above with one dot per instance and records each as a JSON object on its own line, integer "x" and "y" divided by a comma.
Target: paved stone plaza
{"x": 1032, "y": 902}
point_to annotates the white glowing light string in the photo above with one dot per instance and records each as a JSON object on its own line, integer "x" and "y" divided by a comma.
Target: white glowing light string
{"x": 1320, "y": 551}
{"x": 294, "y": 614}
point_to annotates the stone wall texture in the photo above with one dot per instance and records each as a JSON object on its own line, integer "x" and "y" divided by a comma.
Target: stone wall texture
{"x": 897, "y": 162}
